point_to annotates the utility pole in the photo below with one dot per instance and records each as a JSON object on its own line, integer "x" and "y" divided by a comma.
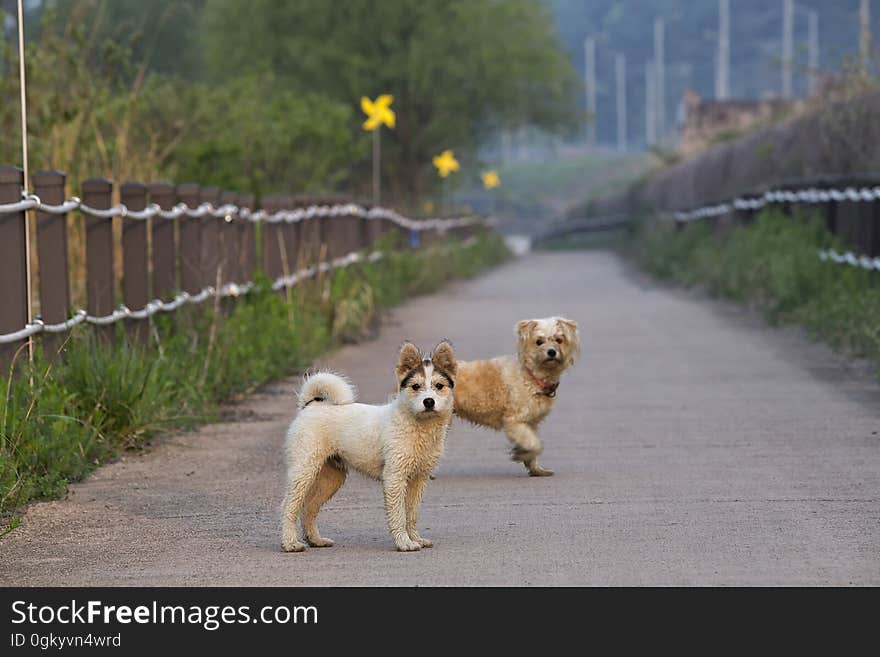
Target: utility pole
{"x": 590, "y": 80}
{"x": 787, "y": 47}
{"x": 620, "y": 70}
{"x": 650, "y": 105}
{"x": 813, "y": 50}
{"x": 864, "y": 34}
{"x": 722, "y": 79}
{"x": 660, "y": 77}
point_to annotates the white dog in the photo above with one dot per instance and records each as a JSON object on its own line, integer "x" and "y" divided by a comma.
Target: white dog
{"x": 515, "y": 393}
{"x": 398, "y": 443}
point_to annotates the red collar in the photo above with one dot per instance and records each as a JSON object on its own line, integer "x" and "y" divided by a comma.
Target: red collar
{"x": 547, "y": 388}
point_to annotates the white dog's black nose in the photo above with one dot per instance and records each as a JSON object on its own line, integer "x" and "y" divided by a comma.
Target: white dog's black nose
{"x": 551, "y": 353}
{"x": 429, "y": 403}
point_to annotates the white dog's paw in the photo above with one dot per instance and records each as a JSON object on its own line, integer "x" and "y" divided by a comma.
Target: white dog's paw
{"x": 319, "y": 541}
{"x": 424, "y": 542}
{"x": 408, "y": 545}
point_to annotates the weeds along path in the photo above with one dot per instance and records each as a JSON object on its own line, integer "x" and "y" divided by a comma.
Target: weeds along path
{"x": 693, "y": 444}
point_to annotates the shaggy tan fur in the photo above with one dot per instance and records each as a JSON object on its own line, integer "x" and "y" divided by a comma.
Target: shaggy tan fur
{"x": 515, "y": 393}
{"x": 398, "y": 443}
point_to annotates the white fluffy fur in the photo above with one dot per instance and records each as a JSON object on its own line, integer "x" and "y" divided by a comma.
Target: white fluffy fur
{"x": 398, "y": 443}
{"x": 332, "y": 387}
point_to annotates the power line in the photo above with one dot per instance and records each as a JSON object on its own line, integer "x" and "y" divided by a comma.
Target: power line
{"x": 650, "y": 105}
{"x": 620, "y": 74}
{"x": 660, "y": 75}
{"x": 864, "y": 33}
{"x": 787, "y": 47}
{"x": 813, "y": 51}
{"x": 722, "y": 73}
{"x": 590, "y": 80}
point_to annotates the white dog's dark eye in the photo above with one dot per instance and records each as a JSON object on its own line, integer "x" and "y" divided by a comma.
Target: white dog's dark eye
{"x": 416, "y": 386}
{"x": 539, "y": 341}
{"x": 439, "y": 386}
{"x": 558, "y": 340}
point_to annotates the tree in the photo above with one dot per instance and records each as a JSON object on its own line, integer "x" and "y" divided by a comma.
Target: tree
{"x": 96, "y": 109}
{"x": 459, "y": 69}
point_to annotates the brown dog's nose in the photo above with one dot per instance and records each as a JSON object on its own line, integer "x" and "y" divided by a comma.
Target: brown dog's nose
{"x": 551, "y": 353}
{"x": 429, "y": 403}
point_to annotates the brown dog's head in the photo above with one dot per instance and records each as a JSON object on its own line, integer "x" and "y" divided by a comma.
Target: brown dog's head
{"x": 549, "y": 345}
{"x": 425, "y": 383}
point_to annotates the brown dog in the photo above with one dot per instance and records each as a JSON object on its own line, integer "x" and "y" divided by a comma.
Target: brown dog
{"x": 514, "y": 393}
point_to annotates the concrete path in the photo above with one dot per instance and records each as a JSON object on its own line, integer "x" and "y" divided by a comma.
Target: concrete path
{"x": 693, "y": 444}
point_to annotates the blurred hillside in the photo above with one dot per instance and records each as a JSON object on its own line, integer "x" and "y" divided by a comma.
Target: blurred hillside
{"x": 534, "y": 192}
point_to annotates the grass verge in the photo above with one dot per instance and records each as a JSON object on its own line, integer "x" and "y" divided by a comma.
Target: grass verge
{"x": 773, "y": 264}
{"x": 103, "y": 395}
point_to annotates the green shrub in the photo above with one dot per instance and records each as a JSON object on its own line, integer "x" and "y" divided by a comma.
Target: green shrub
{"x": 774, "y": 264}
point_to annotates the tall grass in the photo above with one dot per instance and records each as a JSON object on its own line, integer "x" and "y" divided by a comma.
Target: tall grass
{"x": 101, "y": 396}
{"x": 773, "y": 263}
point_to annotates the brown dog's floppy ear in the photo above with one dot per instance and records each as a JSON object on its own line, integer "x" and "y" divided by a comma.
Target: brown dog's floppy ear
{"x": 410, "y": 358}
{"x": 525, "y": 326}
{"x": 444, "y": 357}
{"x": 569, "y": 328}
{"x": 524, "y": 329}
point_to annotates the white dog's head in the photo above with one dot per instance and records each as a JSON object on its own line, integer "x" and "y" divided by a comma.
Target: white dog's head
{"x": 425, "y": 382}
{"x": 547, "y": 345}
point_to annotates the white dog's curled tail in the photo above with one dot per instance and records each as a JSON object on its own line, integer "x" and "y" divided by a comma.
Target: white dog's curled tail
{"x": 327, "y": 388}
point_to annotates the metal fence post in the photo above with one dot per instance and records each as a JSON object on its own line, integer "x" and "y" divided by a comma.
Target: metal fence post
{"x": 230, "y": 241}
{"x": 210, "y": 258}
{"x": 865, "y": 227}
{"x": 13, "y": 265}
{"x": 291, "y": 238}
{"x": 333, "y": 234}
{"x": 190, "y": 241}
{"x": 135, "y": 278}
{"x": 874, "y": 251}
{"x": 52, "y": 250}
{"x": 273, "y": 241}
{"x": 375, "y": 228}
{"x": 310, "y": 238}
{"x": 162, "y": 232}
{"x": 247, "y": 255}
{"x": 100, "y": 279}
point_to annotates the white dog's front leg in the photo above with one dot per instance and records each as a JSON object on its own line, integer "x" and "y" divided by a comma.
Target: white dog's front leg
{"x": 413, "y": 499}
{"x": 526, "y": 447}
{"x": 395, "y": 487}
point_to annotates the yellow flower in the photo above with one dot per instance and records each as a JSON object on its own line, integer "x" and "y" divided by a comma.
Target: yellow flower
{"x": 446, "y": 163}
{"x": 490, "y": 179}
{"x": 378, "y": 112}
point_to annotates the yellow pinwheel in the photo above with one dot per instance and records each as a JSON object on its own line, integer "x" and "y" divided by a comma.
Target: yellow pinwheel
{"x": 446, "y": 163}
{"x": 490, "y": 179}
{"x": 378, "y": 112}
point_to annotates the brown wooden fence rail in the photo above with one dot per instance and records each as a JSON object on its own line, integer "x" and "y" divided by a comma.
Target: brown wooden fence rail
{"x": 180, "y": 244}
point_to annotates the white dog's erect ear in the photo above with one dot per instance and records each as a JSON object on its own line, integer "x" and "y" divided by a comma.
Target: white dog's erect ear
{"x": 409, "y": 359}
{"x": 443, "y": 357}
{"x": 569, "y": 328}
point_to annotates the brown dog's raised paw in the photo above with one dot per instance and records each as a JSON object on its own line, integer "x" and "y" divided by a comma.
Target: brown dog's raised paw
{"x": 518, "y": 453}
